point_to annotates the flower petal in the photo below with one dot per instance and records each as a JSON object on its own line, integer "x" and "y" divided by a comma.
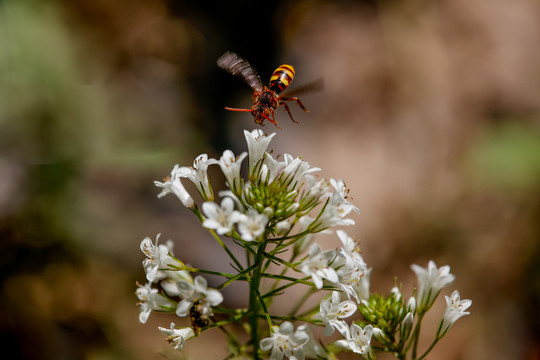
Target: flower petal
{"x": 214, "y": 297}
{"x": 183, "y": 308}
{"x": 266, "y": 344}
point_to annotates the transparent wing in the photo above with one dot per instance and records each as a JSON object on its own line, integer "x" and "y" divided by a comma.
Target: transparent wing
{"x": 311, "y": 87}
{"x": 238, "y": 66}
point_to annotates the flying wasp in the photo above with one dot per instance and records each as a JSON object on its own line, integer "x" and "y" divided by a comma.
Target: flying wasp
{"x": 266, "y": 99}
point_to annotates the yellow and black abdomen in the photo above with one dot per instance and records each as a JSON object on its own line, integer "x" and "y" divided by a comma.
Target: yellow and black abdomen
{"x": 281, "y": 78}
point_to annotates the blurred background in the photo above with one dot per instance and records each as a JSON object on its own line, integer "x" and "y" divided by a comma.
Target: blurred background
{"x": 430, "y": 113}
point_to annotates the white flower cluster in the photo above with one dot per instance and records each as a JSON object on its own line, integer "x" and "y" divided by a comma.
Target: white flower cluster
{"x": 358, "y": 340}
{"x": 193, "y": 295}
{"x": 276, "y": 196}
{"x": 346, "y": 272}
{"x": 281, "y": 204}
{"x": 344, "y": 268}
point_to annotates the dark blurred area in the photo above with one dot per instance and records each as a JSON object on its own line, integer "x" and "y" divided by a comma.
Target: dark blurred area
{"x": 430, "y": 113}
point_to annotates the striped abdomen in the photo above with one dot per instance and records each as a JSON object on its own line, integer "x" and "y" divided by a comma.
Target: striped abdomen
{"x": 281, "y": 78}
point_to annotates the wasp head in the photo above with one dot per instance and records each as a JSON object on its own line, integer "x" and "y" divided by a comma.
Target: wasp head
{"x": 261, "y": 113}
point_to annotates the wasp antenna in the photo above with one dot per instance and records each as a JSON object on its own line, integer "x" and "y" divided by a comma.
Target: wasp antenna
{"x": 235, "y": 109}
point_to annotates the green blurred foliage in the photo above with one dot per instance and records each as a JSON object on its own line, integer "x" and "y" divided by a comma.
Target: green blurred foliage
{"x": 100, "y": 98}
{"x": 507, "y": 158}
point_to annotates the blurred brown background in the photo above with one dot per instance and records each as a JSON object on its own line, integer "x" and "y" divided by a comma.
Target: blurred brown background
{"x": 430, "y": 113}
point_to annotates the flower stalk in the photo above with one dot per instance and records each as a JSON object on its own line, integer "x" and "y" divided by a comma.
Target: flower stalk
{"x": 255, "y": 300}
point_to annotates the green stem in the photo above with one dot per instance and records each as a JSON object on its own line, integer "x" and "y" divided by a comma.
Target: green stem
{"x": 222, "y": 323}
{"x": 279, "y": 260}
{"x": 295, "y": 318}
{"x": 224, "y": 310}
{"x": 430, "y": 347}
{"x": 210, "y": 272}
{"x": 231, "y": 255}
{"x": 400, "y": 356}
{"x": 200, "y": 216}
{"x": 254, "y": 301}
{"x": 289, "y": 237}
{"x": 233, "y": 278}
{"x": 314, "y": 309}
{"x": 283, "y": 271}
{"x": 416, "y": 336}
{"x": 275, "y": 291}
{"x": 301, "y": 301}
{"x": 265, "y": 309}
{"x": 288, "y": 278}
{"x": 234, "y": 345}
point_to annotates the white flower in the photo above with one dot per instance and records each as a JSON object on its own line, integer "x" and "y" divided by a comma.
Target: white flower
{"x": 228, "y": 193}
{"x": 396, "y": 292}
{"x": 198, "y": 292}
{"x": 354, "y": 281}
{"x": 455, "y": 308}
{"x": 169, "y": 279}
{"x": 150, "y": 300}
{"x": 313, "y": 191}
{"x": 220, "y": 218}
{"x": 304, "y": 241}
{"x": 158, "y": 258}
{"x": 379, "y": 335}
{"x": 295, "y": 170}
{"x": 408, "y": 320}
{"x": 350, "y": 251}
{"x": 340, "y": 194}
{"x": 358, "y": 340}
{"x": 283, "y": 227}
{"x": 198, "y": 174}
{"x": 333, "y": 216}
{"x": 173, "y": 185}
{"x": 430, "y": 282}
{"x": 336, "y": 209}
{"x": 177, "y": 337}
{"x": 285, "y": 341}
{"x": 352, "y": 270}
{"x": 332, "y": 313}
{"x": 270, "y": 169}
{"x": 311, "y": 349}
{"x": 230, "y": 165}
{"x": 252, "y": 225}
{"x": 411, "y": 304}
{"x": 291, "y": 209}
{"x": 317, "y": 265}
{"x": 406, "y": 325}
{"x": 257, "y": 143}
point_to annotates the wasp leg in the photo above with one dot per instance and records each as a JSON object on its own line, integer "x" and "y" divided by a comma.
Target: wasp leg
{"x": 290, "y": 115}
{"x": 273, "y": 120}
{"x": 297, "y": 101}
